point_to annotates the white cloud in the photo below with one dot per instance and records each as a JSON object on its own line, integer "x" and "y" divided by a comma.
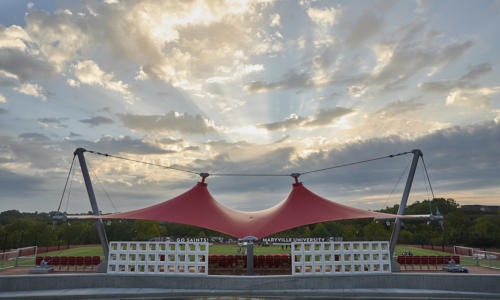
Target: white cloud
{"x": 474, "y": 98}
{"x": 325, "y": 17}
{"x": 2, "y": 99}
{"x": 141, "y": 75}
{"x": 13, "y": 37}
{"x": 88, "y": 72}
{"x": 30, "y": 5}
{"x": 73, "y": 82}
{"x": 275, "y": 20}
{"x": 357, "y": 90}
{"x": 31, "y": 89}
{"x": 8, "y": 75}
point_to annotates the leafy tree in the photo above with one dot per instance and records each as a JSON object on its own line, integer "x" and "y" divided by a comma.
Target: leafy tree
{"x": 485, "y": 232}
{"x": 375, "y": 231}
{"x": 320, "y": 231}
{"x": 307, "y": 232}
{"x": 145, "y": 230}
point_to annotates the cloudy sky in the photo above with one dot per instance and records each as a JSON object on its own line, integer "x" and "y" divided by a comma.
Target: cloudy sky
{"x": 248, "y": 87}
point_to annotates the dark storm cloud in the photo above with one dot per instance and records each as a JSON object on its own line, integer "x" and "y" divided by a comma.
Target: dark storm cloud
{"x": 191, "y": 148}
{"x": 33, "y": 136}
{"x": 169, "y": 141}
{"x": 97, "y": 120}
{"x": 41, "y": 152}
{"x": 15, "y": 185}
{"x": 121, "y": 145}
{"x": 35, "y": 149}
{"x": 24, "y": 65}
{"x": 53, "y": 122}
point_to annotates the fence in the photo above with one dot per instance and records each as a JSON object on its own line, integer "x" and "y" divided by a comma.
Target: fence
{"x": 189, "y": 258}
{"x": 473, "y": 256}
{"x": 22, "y": 257}
{"x": 340, "y": 257}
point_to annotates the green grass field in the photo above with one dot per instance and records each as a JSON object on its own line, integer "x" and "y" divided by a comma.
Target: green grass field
{"x": 82, "y": 251}
{"x": 419, "y": 251}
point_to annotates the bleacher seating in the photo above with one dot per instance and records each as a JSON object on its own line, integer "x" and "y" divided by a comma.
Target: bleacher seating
{"x": 236, "y": 264}
{"x": 70, "y": 261}
{"x": 409, "y": 261}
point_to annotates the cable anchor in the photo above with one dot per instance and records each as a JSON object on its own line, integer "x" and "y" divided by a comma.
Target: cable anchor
{"x": 296, "y": 176}
{"x": 203, "y": 176}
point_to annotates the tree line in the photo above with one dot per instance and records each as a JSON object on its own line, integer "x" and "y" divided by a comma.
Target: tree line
{"x": 21, "y": 229}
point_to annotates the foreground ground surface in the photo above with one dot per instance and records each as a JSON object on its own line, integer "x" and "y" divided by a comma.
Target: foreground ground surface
{"x": 342, "y": 286}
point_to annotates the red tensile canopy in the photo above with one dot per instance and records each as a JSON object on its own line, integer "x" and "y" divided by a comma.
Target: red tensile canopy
{"x": 197, "y": 207}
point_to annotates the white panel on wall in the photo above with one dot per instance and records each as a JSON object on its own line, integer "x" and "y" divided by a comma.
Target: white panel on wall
{"x": 315, "y": 258}
{"x": 188, "y": 258}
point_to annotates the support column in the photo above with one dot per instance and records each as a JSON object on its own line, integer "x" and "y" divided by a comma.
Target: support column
{"x": 250, "y": 240}
{"x": 95, "y": 209}
{"x": 397, "y": 223}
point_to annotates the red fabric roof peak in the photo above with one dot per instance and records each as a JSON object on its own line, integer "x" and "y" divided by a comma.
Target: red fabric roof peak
{"x": 197, "y": 207}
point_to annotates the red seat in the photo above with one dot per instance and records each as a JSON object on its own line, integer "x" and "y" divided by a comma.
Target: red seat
{"x": 440, "y": 260}
{"x": 401, "y": 259}
{"x": 79, "y": 261}
{"x": 38, "y": 260}
{"x": 433, "y": 261}
{"x": 424, "y": 260}
{"x": 231, "y": 260}
{"x": 416, "y": 260}
{"x": 261, "y": 261}
{"x": 48, "y": 260}
{"x": 71, "y": 261}
{"x": 211, "y": 259}
{"x": 55, "y": 261}
{"x": 96, "y": 260}
{"x": 63, "y": 261}
{"x": 268, "y": 261}
{"x": 87, "y": 260}
{"x": 456, "y": 259}
{"x": 221, "y": 261}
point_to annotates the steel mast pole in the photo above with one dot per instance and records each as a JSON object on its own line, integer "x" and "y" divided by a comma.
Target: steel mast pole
{"x": 250, "y": 240}
{"x": 397, "y": 224}
{"x": 88, "y": 184}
